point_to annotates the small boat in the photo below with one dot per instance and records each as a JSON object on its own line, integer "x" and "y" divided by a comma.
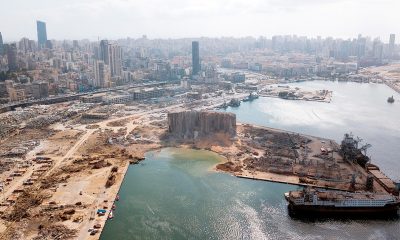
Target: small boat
{"x": 117, "y": 198}
{"x": 110, "y": 215}
{"x": 113, "y": 207}
{"x": 287, "y": 196}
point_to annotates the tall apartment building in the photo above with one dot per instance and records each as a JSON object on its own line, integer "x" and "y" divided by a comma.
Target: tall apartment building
{"x": 24, "y": 45}
{"x": 392, "y": 44}
{"x": 1, "y": 45}
{"x": 111, "y": 54}
{"x": 104, "y": 52}
{"x": 12, "y": 56}
{"x": 101, "y": 74}
{"x": 115, "y": 60}
{"x": 195, "y": 58}
{"x": 40, "y": 90}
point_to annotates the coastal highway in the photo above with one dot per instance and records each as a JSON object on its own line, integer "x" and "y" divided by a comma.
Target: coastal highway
{"x": 76, "y": 96}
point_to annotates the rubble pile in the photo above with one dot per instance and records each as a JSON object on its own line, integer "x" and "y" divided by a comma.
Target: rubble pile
{"x": 9, "y": 121}
{"x": 97, "y": 114}
{"x": 193, "y": 124}
{"x": 36, "y": 117}
{"x": 55, "y": 231}
{"x": 5, "y": 130}
{"x": 280, "y": 149}
{"x": 18, "y": 149}
{"x": 6, "y": 164}
{"x": 53, "y": 180}
{"x": 43, "y": 121}
{"x": 80, "y": 108}
{"x": 111, "y": 179}
{"x": 28, "y": 199}
{"x": 109, "y": 109}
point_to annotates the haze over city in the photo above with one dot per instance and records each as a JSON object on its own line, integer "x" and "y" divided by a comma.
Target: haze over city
{"x": 113, "y": 19}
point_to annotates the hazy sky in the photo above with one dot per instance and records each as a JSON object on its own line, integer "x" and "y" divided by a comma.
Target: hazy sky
{"x": 78, "y": 19}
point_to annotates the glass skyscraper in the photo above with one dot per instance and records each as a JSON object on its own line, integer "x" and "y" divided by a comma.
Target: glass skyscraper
{"x": 42, "y": 34}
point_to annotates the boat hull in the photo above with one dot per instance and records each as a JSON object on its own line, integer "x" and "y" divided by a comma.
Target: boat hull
{"x": 351, "y": 212}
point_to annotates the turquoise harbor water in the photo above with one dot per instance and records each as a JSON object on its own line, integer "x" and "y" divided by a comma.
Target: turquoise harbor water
{"x": 174, "y": 194}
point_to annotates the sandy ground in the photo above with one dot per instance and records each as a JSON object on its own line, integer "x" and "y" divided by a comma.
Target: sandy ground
{"x": 390, "y": 74}
{"x": 81, "y": 163}
{"x": 267, "y": 176}
{"x": 87, "y": 162}
{"x": 248, "y": 157}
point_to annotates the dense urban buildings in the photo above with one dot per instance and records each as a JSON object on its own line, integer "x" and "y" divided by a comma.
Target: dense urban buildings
{"x": 83, "y": 66}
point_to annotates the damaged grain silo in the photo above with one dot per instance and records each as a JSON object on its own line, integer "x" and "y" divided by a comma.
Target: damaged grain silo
{"x": 193, "y": 124}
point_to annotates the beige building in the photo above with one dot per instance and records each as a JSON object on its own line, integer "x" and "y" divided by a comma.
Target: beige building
{"x": 16, "y": 94}
{"x": 101, "y": 75}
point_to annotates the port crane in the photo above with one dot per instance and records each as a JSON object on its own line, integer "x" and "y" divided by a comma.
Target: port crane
{"x": 365, "y": 147}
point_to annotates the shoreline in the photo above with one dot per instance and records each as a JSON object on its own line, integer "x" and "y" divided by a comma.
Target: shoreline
{"x": 272, "y": 176}
{"x": 327, "y": 99}
{"x": 256, "y": 153}
{"x": 392, "y": 86}
{"x": 110, "y": 202}
{"x": 225, "y": 157}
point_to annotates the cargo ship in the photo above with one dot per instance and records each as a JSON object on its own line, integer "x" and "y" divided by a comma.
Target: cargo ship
{"x": 234, "y": 102}
{"x": 251, "y": 97}
{"x": 326, "y": 203}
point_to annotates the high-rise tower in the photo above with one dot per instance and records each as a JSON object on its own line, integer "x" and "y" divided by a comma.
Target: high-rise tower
{"x": 104, "y": 51}
{"x": 195, "y": 58}
{"x": 12, "y": 56}
{"x": 101, "y": 75}
{"x": 391, "y": 44}
{"x": 1, "y": 45}
{"x": 111, "y": 54}
{"x": 361, "y": 46}
{"x": 42, "y": 34}
{"x": 115, "y": 60}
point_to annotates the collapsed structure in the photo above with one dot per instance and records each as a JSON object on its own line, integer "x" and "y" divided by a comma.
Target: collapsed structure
{"x": 193, "y": 124}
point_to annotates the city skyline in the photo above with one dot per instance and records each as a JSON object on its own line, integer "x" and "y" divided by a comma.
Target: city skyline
{"x": 104, "y": 19}
{"x": 385, "y": 39}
